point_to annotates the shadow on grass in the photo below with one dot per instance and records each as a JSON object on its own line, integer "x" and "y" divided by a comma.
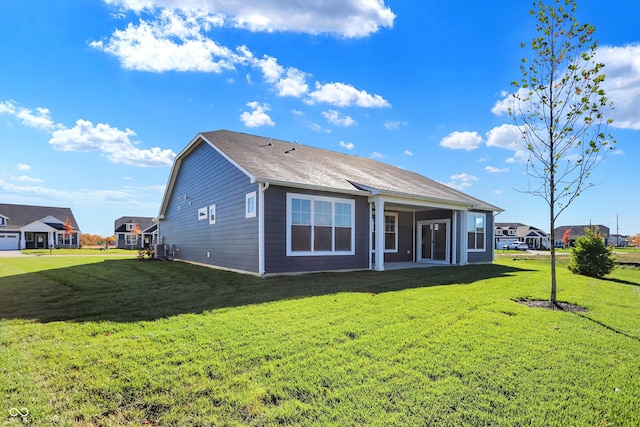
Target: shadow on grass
{"x": 130, "y": 290}
{"x": 604, "y": 325}
{"x": 623, "y": 282}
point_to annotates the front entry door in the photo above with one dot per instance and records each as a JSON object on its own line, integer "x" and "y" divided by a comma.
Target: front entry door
{"x": 433, "y": 241}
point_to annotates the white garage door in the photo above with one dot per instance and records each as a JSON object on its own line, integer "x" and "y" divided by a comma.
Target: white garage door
{"x": 8, "y": 242}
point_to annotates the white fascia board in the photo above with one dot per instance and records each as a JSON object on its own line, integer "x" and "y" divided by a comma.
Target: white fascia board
{"x": 177, "y": 163}
{"x": 354, "y": 192}
{"x": 38, "y": 226}
{"x": 425, "y": 202}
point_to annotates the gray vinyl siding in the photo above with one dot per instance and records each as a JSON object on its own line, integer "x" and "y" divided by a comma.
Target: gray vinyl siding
{"x": 206, "y": 178}
{"x": 276, "y": 259}
{"x": 485, "y": 256}
{"x": 405, "y": 238}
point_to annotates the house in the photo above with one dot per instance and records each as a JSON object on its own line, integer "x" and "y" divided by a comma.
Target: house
{"x": 576, "y": 231}
{"x": 263, "y": 206}
{"x": 618, "y": 240}
{"x": 135, "y": 232}
{"x": 507, "y": 233}
{"x": 36, "y": 227}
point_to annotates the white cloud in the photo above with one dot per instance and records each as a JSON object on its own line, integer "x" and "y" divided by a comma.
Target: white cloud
{"x": 344, "y": 18}
{"x": 376, "y": 155}
{"x": 41, "y": 119}
{"x": 174, "y": 42}
{"x": 294, "y": 84}
{"x": 461, "y": 141}
{"x": 86, "y": 197}
{"x": 335, "y": 118}
{"x": 271, "y": 70}
{"x": 343, "y": 95}
{"x": 462, "y": 181}
{"x": 498, "y": 192}
{"x": 84, "y": 136}
{"x": 25, "y": 178}
{"x": 492, "y": 169}
{"x": 258, "y": 116}
{"x": 621, "y": 85}
{"x": 393, "y": 124}
{"x": 408, "y": 153}
{"x": 509, "y": 137}
{"x": 347, "y": 145}
{"x": 23, "y": 167}
{"x": 618, "y": 153}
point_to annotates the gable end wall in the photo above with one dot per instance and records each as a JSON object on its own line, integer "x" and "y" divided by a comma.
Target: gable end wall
{"x": 207, "y": 178}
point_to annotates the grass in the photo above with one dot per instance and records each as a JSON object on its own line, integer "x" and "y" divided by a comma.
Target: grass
{"x": 94, "y": 340}
{"x": 80, "y": 251}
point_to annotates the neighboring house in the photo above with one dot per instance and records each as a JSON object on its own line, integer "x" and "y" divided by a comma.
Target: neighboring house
{"x": 619, "y": 240}
{"x": 252, "y": 204}
{"x": 135, "y": 232}
{"x": 507, "y": 233}
{"x": 578, "y": 231}
{"x": 36, "y": 227}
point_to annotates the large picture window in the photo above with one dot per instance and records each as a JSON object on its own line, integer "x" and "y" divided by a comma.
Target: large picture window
{"x": 476, "y": 230}
{"x": 320, "y": 225}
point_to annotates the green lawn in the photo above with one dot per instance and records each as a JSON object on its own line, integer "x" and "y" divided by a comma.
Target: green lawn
{"x": 91, "y": 340}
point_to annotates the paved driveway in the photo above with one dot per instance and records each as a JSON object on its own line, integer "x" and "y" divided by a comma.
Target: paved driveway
{"x": 11, "y": 254}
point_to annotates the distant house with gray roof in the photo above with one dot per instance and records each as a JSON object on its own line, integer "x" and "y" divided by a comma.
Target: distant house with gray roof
{"x": 36, "y": 227}
{"x": 576, "y": 231}
{"x": 135, "y": 232}
{"x": 264, "y": 206}
{"x": 509, "y": 233}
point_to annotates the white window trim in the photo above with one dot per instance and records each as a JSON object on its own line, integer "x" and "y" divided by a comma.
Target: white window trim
{"x": 129, "y": 226}
{"x": 386, "y": 214}
{"x": 475, "y": 214}
{"x": 131, "y": 239}
{"x": 202, "y": 213}
{"x": 212, "y": 214}
{"x": 333, "y": 201}
{"x": 3, "y": 221}
{"x": 247, "y": 212}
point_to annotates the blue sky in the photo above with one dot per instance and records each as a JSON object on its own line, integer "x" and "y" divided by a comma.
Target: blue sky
{"x": 97, "y": 97}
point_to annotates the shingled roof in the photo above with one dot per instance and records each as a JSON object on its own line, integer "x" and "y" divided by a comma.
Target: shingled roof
{"x": 21, "y": 215}
{"x": 286, "y": 163}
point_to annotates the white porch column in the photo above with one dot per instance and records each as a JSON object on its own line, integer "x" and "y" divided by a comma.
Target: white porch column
{"x": 379, "y": 221}
{"x": 463, "y": 238}
{"x": 454, "y": 238}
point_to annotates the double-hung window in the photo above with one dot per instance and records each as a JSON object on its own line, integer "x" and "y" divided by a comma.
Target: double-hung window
{"x": 130, "y": 239}
{"x": 476, "y": 224}
{"x": 390, "y": 232}
{"x": 320, "y": 225}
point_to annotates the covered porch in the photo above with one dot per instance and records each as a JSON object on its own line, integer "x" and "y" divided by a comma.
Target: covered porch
{"x": 423, "y": 233}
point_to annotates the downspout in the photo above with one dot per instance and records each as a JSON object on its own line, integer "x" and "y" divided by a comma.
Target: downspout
{"x": 493, "y": 239}
{"x": 370, "y": 236}
{"x": 413, "y": 245}
{"x": 261, "y": 261}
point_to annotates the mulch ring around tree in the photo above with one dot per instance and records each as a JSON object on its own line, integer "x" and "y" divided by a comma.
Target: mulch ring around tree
{"x": 560, "y": 306}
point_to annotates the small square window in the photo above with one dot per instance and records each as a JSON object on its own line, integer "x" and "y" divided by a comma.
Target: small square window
{"x": 250, "y": 205}
{"x": 202, "y": 213}
{"x": 212, "y": 214}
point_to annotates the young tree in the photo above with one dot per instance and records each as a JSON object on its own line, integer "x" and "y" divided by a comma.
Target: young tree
{"x": 591, "y": 257}
{"x": 68, "y": 230}
{"x": 566, "y": 237}
{"x": 561, "y": 110}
